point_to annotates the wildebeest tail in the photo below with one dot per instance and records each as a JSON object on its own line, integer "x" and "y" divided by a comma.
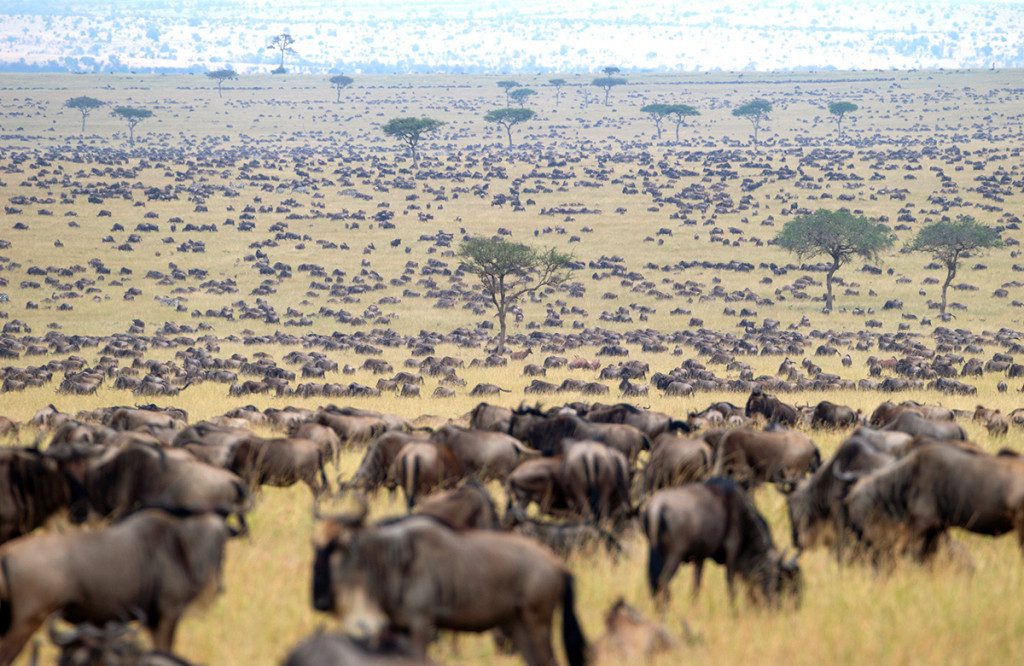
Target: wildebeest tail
{"x": 593, "y": 492}
{"x": 815, "y": 461}
{"x": 6, "y": 611}
{"x": 323, "y": 472}
{"x": 677, "y": 424}
{"x": 572, "y": 634}
{"x": 655, "y": 557}
{"x": 412, "y": 475}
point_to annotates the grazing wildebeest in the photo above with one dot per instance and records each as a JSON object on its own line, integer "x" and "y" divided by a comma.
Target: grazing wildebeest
{"x": 715, "y": 520}
{"x": 546, "y": 433}
{"x": 914, "y": 424}
{"x": 830, "y": 415}
{"x": 771, "y": 408}
{"x": 415, "y": 575}
{"x": 490, "y": 417}
{"x": 674, "y": 461}
{"x": 33, "y": 487}
{"x": 486, "y": 454}
{"x": 279, "y": 462}
{"x": 325, "y": 438}
{"x": 165, "y": 561}
{"x": 379, "y": 456}
{"x": 467, "y": 507}
{"x": 650, "y": 423}
{"x": 563, "y": 538}
{"x": 912, "y": 502}
{"x": 114, "y": 644}
{"x": 422, "y": 466}
{"x": 597, "y": 479}
{"x": 540, "y": 480}
{"x": 323, "y": 649}
{"x": 752, "y": 457}
{"x": 629, "y": 638}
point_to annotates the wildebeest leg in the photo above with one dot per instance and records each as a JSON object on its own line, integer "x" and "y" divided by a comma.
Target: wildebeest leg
{"x": 421, "y": 632}
{"x": 698, "y": 572}
{"x": 523, "y": 639}
{"x": 538, "y": 624}
{"x": 13, "y": 643}
{"x": 163, "y": 632}
{"x": 929, "y": 544}
{"x": 671, "y": 564}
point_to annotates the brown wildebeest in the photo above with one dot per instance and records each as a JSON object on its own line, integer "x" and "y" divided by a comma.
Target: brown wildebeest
{"x": 352, "y": 428}
{"x": 323, "y": 649}
{"x": 380, "y": 455}
{"x": 771, "y": 408}
{"x": 540, "y": 480}
{"x": 164, "y": 562}
{"x": 325, "y": 438}
{"x": 674, "y": 461}
{"x": 33, "y": 487}
{"x": 597, "y": 478}
{"x": 563, "y": 539}
{"x": 546, "y": 433}
{"x": 416, "y": 575}
{"x": 936, "y": 486}
{"x": 752, "y": 457}
{"x": 650, "y": 423}
{"x": 279, "y": 462}
{"x": 490, "y": 417}
{"x": 422, "y": 466}
{"x": 467, "y": 507}
{"x": 715, "y": 520}
{"x": 830, "y": 415}
{"x": 886, "y": 412}
{"x": 127, "y": 418}
{"x": 486, "y": 454}
{"x": 914, "y": 424}
{"x": 114, "y": 644}
{"x": 629, "y": 638}
{"x": 8, "y": 427}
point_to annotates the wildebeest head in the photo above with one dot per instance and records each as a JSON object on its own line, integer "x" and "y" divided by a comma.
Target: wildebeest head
{"x": 336, "y": 559}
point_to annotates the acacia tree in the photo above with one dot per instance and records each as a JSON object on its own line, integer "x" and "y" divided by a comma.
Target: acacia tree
{"x": 508, "y": 271}
{"x": 837, "y": 234}
{"x": 840, "y": 109}
{"x": 610, "y": 70}
{"x": 411, "y": 130}
{"x": 950, "y": 241}
{"x": 220, "y": 76}
{"x": 520, "y": 95}
{"x": 679, "y": 113}
{"x": 133, "y": 115}
{"x": 508, "y": 86}
{"x": 755, "y": 111}
{"x": 282, "y": 43}
{"x": 657, "y": 112}
{"x": 84, "y": 105}
{"x": 608, "y": 82}
{"x": 340, "y": 82}
{"x": 508, "y": 118}
{"x": 557, "y": 83}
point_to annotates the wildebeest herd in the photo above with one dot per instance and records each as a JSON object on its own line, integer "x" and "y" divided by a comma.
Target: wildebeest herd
{"x": 267, "y": 288}
{"x": 164, "y": 495}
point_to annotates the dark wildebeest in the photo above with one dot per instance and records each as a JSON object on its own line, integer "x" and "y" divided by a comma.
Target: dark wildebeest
{"x": 674, "y": 461}
{"x": 830, "y": 415}
{"x": 540, "y": 480}
{"x": 650, "y": 423}
{"x": 415, "y": 575}
{"x": 483, "y": 453}
{"x": 563, "y": 539}
{"x": 629, "y": 638}
{"x": 771, "y": 408}
{"x": 279, "y": 462}
{"x": 114, "y": 644}
{"x": 422, "y": 466}
{"x": 912, "y": 502}
{"x": 164, "y": 562}
{"x": 919, "y": 426}
{"x": 752, "y": 457}
{"x": 546, "y": 433}
{"x": 339, "y": 650}
{"x": 379, "y": 456}
{"x": 467, "y": 507}
{"x": 886, "y": 412}
{"x": 715, "y": 520}
{"x": 816, "y": 509}
{"x": 597, "y": 480}
{"x": 33, "y": 487}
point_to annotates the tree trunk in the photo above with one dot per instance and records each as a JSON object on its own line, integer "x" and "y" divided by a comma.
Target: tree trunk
{"x": 950, "y": 274}
{"x": 509, "y": 130}
{"x": 839, "y": 127}
{"x": 502, "y": 327}
{"x": 754, "y": 123}
{"x": 606, "y": 91}
{"x": 131, "y": 134}
{"x": 83, "y": 122}
{"x": 282, "y": 61}
{"x": 657, "y": 123}
{"x": 338, "y": 97}
{"x": 828, "y": 285}
{"x": 220, "y": 89}
{"x": 677, "y": 132}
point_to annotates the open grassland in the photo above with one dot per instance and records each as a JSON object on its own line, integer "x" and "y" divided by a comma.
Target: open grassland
{"x": 923, "y": 146}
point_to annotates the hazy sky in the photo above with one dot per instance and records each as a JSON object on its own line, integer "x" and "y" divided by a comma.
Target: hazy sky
{"x": 506, "y": 36}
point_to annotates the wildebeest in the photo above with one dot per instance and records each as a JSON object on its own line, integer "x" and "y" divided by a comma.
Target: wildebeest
{"x": 467, "y": 507}
{"x": 674, "y": 461}
{"x": 490, "y": 417}
{"x": 934, "y": 487}
{"x": 323, "y": 649}
{"x": 379, "y": 456}
{"x": 650, "y": 423}
{"x": 914, "y": 424}
{"x": 541, "y": 481}
{"x": 597, "y": 480}
{"x": 486, "y": 454}
{"x": 546, "y": 433}
{"x": 279, "y": 462}
{"x": 629, "y": 638}
{"x": 164, "y": 562}
{"x": 715, "y": 520}
{"x": 830, "y": 415}
{"x": 563, "y": 538}
{"x": 752, "y": 457}
{"x": 415, "y": 575}
{"x": 114, "y": 644}
{"x": 33, "y": 487}
{"x": 420, "y": 467}
{"x": 771, "y": 408}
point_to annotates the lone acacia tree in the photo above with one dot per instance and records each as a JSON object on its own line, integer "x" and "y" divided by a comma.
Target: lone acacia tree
{"x": 658, "y": 113}
{"x": 557, "y": 83}
{"x": 755, "y": 111}
{"x": 84, "y": 105}
{"x": 220, "y": 76}
{"x": 508, "y": 86}
{"x": 133, "y": 115}
{"x": 679, "y": 113}
{"x": 411, "y": 130}
{"x": 607, "y": 83}
{"x": 837, "y": 234}
{"x": 610, "y": 70}
{"x": 508, "y": 271}
{"x": 948, "y": 242}
{"x": 282, "y": 43}
{"x": 508, "y": 118}
{"x": 520, "y": 95}
{"x": 840, "y": 109}
{"x": 340, "y": 82}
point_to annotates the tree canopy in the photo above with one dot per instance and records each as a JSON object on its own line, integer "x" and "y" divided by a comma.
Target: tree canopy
{"x": 677, "y": 112}
{"x": 950, "y": 241}
{"x": 837, "y": 234}
{"x": 220, "y": 76}
{"x": 283, "y": 43}
{"x": 608, "y": 82}
{"x": 508, "y": 271}
{"x": 520, "y": 95}
{"x": 340, "y": 81}
{"x": 657, "y": 112}
{"x": 755, "y": 111}
{"x": 839, "y": 110}
{"x": 557, "y": 83}
{"x": 508, "y": 118}
{"x": 508, "y": 86}
{"x": 133, "y": 115}
{"x": 610, "y": 70}
{"x": 411, "y": 130}
{"x": 84, "y": 105}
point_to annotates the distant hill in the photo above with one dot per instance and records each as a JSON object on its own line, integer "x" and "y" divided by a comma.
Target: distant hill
{"x": 504, "y": 36}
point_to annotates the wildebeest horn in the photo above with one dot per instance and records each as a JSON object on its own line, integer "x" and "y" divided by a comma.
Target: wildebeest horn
{"x": 845, "y": 477}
